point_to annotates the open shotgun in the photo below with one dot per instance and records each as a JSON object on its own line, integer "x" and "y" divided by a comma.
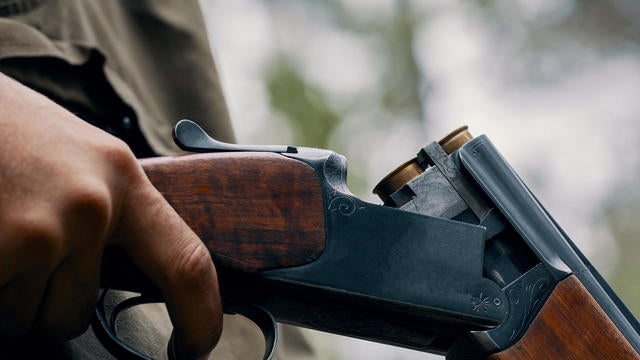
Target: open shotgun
{"x": 461, "y": 260}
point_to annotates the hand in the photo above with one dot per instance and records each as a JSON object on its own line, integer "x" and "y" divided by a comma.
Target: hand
{"x": 68, "y": 189}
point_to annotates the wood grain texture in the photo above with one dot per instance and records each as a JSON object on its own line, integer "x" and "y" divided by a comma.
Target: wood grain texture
{"x": 254, "y": 211}
{"x": 571, "y": 325}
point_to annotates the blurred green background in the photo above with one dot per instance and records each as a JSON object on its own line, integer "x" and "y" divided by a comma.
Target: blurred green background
{"x": 554, "y": 84}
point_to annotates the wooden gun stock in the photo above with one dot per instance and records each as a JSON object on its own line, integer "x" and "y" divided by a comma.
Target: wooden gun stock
{"x": 255, "y": 211}
{"x": 571, "y": 325}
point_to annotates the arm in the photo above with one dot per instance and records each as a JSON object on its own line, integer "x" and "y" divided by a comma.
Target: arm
{"x": 501, "y": 280}
{"x": 69, "y": 189}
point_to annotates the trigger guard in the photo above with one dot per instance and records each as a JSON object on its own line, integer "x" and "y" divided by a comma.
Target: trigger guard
{"x": 105, "y": 330}
{"x": 264, "y": 320}
{"x": 104, "y": 327}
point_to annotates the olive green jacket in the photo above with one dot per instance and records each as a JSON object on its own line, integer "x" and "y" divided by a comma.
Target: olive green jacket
{"x": 153, "y": 55}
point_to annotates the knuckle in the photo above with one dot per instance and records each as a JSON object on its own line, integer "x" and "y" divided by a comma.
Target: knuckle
{"x": 120, "y": 156}
{"x": 194, "y": 266}
{"x": 90, "y": 199}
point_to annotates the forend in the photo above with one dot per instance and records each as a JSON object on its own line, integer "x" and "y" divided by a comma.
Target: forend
{"x": 461, "y": 259}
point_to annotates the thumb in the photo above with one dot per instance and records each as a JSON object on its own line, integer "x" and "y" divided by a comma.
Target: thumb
{"x": 178, "y": 262}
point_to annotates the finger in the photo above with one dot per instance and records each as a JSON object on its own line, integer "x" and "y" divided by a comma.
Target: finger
{"x": 175, "y": 259}
{"x": 72, "y": 290}
{"x": 29, "y": 241}
{"x": 29, "y": 250}
{"x": 70, "y": 297}
{"x": 19, "y": 302}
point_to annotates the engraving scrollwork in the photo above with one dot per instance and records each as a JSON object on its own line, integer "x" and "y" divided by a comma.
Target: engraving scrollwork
{"x": 529, "y": 297}
{"x": 345, "y": 205}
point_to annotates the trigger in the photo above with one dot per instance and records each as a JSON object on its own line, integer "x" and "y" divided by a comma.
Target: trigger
{"x": 265, "y": 321}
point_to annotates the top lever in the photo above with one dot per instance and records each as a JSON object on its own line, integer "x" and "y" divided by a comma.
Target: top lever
{"x": 189, "y": 136}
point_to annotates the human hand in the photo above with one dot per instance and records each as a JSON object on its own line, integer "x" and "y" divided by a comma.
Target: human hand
{"x": 68, "y": 190}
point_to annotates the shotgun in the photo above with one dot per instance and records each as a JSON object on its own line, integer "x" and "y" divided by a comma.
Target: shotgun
{"x": 461, "y": 260}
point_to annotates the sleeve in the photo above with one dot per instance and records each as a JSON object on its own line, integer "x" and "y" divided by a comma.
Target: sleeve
{"x": 15, "y": 7}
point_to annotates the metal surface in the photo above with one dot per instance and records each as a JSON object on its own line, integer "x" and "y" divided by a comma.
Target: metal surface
{"x": 105, "y": 329}
{"x": 454, "y": 140}
{"x": 510, "y": 260}
{"x": 516, "y": 203}
{"x": 526, "y": 296}
{"x": 401, "y": 261}
{"x": 429, "y": 194}
{"x": 433, "y": 154}
{"x": 411, "y": 169}
{"x": 189, "y": 136}
{"x": 265, "y": 322}
{"x": 507, "y": 260}
{"x": 397, "y": 179}
{"x": 553, "y": 248}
